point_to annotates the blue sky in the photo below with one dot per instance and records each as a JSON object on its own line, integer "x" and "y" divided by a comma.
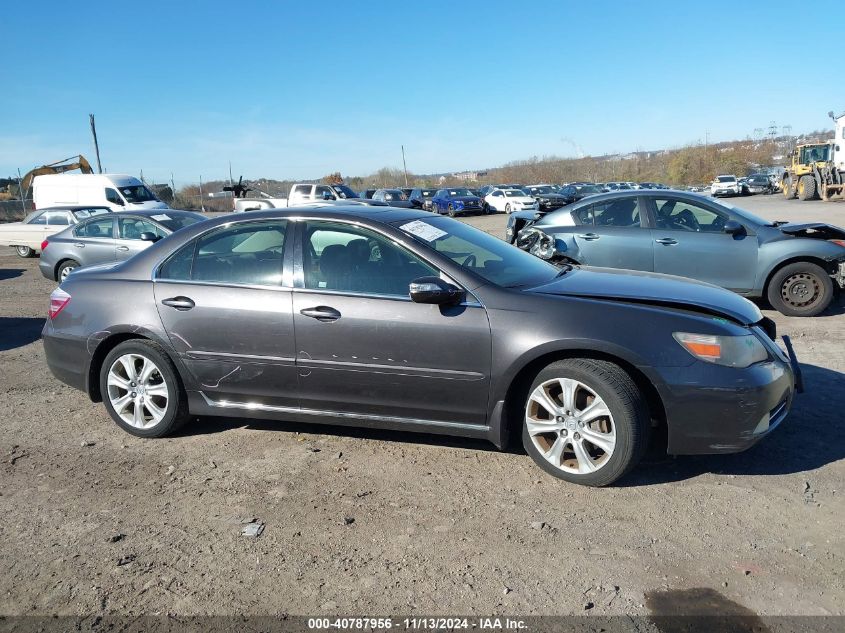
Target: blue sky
{"x": 307, "y": 88}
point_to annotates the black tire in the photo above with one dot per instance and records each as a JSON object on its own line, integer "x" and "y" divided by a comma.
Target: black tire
{"x": 801, "y": 289}
{"x": 176, "y": 412}
{"x": 627, "y": 406}
{"x": 67, "y": 265}
{"x": 508, "y": 208}
{"x": 451, "y": 210}
{"x": 807, "y": 188}
{"x": 485, "y": 208}
{"x": 24, "y": 251}
{"x": 788, "y": 188}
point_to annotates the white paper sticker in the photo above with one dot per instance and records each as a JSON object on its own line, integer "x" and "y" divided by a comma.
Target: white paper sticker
{"x": 423, "y": 230}
{"x": 160, "y": 218}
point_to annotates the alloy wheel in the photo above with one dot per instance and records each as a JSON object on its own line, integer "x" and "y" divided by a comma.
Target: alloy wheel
{"x": 67, "y": 270}
{"x": 137, "y": 391}
{"x": 570, "y": 425}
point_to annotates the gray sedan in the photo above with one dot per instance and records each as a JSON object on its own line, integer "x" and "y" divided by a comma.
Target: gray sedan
{"x": 797, "y": 267}
{"x": 111, "y": 238}
{"x": 395, "y": 318}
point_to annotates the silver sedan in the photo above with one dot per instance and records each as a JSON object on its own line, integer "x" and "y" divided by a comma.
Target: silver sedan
{"x": 111, "y": 238}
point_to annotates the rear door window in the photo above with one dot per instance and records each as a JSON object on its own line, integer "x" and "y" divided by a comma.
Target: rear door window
{"x": 620, "y": 213}
{"x": 100, "y": 227}
{"x": 248, "y": 254}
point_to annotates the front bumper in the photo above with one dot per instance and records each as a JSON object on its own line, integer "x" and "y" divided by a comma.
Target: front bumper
{"x": 724, "y": 192}
{"x": 714, "y": 409}
{"x": 839, "y": 275}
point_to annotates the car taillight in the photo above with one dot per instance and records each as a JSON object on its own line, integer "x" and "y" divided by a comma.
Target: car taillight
{"x": 840, "y": 242}
{"x": 44, "y": 245}
{"x": 58, "y": 300}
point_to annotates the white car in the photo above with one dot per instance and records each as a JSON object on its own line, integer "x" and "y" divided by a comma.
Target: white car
{"x": 27, "y": 236}
{"x": 509, "y": 200}
{"x": 725, "y": 185}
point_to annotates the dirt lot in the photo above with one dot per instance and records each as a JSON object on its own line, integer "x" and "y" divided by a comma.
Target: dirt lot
{"x": 95, "y": 521}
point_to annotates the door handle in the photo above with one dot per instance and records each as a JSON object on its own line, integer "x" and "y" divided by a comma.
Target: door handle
{"x": 668, "y": 241}
{"x": 321, "y": 313}
{"x": 589, "y": 236}
{"x": 180, "y": 303}
{"x": 123, "y": 248}
{"x": 79, "y": 245}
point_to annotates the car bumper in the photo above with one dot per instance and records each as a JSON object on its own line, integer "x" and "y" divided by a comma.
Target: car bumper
{"x": 46, "y": 268}
{"x": 713, "y": 409}
{"x": 757, "y": 189}
{"x": 67, "y": 357}
{"x": 724, "y": 192}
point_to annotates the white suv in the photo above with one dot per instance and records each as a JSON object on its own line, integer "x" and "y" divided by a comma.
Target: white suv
{"x": 725, "y": 186}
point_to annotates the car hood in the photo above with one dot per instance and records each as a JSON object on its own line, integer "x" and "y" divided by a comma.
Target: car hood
{"x": 816, "y": 230}
{"x": 613, "y": 284}
{"x": 149, "y": 204}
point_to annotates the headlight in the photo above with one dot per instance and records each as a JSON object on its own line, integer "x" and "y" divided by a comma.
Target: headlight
{"x": 538, "y": 243}
{"x": 730, "y": 351}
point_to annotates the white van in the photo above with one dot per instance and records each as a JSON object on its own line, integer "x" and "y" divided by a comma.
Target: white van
{"x": 116, "y": 191}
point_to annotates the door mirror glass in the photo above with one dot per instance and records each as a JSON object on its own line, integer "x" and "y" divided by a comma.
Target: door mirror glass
{"x": 434, "y": 290}
{"x": 148, "y": 236}
{"x": 732, "y": 227}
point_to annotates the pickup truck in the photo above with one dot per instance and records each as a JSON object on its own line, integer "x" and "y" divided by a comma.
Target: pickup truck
{"x": 304, "y": 194}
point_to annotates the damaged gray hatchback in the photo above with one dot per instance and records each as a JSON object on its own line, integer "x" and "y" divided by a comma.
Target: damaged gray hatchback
{"x": 392, "y": 318}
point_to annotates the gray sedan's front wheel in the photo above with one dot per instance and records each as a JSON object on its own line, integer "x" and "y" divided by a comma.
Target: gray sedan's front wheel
{"x": 24, "y": 251}
{"x": 141, "y": 389}
{"x": 585, "y": 421}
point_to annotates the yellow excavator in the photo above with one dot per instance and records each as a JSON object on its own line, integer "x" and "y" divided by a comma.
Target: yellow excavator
{"x": 59, "y": 167}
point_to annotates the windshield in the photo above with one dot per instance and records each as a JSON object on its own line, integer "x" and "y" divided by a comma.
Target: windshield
{"x": 137, "y": 193}
{"x": 344, "y": 192}
{"x": 495, "y": 260}
{"x": 426, "y": 193}
{"x": 460, "y": 192}
{"x": 514, "y": 193}
{"x": 540, "y": 189}
{"x": 726, "y": 179}
{"x": 588, "y": 189}
{"x": 742, "y": 212}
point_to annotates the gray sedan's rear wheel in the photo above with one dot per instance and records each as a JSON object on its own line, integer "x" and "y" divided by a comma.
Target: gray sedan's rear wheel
{"x": 585, "y": 421}
{"x": 24, "y": 251}
{"x": 66, "y": 268}
{"x": 800, "y": 289}
{"x": 141, "y": 389}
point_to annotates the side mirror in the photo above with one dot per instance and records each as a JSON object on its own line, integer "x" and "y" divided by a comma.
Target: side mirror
{"x": 148, "y": 236}
{"x": 732, "y": 227}
{"x": 434, "y": 290}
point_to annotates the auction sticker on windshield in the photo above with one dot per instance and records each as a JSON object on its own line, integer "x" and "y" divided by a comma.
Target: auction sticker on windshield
{"x": 160, "y": 218}
{"x": 423, "y": 230}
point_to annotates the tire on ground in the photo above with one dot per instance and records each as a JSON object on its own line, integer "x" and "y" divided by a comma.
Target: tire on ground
{"x": 176, "y": 414}
{"x": 787, "y": 284}
{"x": 626, "y": 403}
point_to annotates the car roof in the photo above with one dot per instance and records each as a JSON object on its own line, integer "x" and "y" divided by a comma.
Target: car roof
{"x": 150, "y": 213}
{"x": 384, "y": 215}
{"x": 75, "y": 207}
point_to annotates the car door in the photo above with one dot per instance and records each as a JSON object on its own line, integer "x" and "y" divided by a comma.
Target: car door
{"x": 690, "y": 241}
{"x": 129, "y": 230}
{"x": 227, "y": 312}
{"x": 613, "y": 233}
{"x": 365, "y": 350}
{"x": 497, "y": 200}
{"x": 94, "y": 241}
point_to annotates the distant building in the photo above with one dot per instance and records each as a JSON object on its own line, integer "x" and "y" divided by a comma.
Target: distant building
{"x": 469, "y": 176}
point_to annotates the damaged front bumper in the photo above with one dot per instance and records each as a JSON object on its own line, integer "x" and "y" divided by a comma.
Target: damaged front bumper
{"x": 839, "y": 274}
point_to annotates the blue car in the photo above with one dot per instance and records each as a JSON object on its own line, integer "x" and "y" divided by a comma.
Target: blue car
{"x": 454, "y": 201}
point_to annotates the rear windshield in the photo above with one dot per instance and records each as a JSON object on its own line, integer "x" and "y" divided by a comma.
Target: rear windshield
{"x": 175, "y": 222}
{"x": 81, "y": 214}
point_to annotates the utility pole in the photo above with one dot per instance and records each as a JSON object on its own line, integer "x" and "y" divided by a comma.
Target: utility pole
{"x": 20, "y": 190}
{"x": 172, "y": 185}
{"x": 230, "y": 173}
{"x": 404, "y": 166}
{"x": 96, "y": 144}
{"x": 202, "y": 202}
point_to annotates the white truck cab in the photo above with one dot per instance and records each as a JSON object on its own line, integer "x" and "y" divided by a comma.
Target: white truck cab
{"x": 119, "y": 192}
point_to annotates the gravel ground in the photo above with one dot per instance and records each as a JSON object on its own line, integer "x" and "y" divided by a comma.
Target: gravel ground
{"x": 95, "y": 521}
